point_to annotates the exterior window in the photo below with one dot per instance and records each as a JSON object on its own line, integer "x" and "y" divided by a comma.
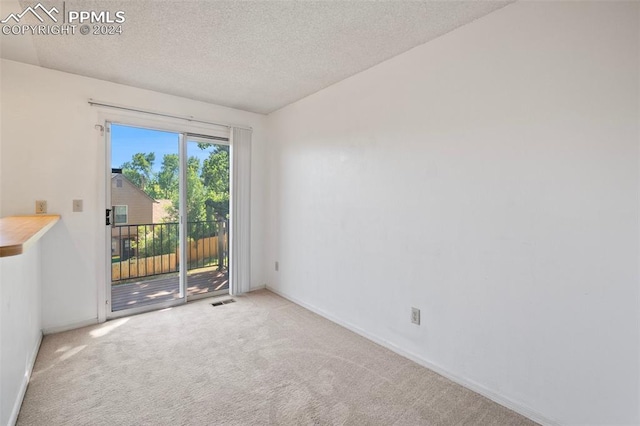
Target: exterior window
{"x": 120, "y": 214}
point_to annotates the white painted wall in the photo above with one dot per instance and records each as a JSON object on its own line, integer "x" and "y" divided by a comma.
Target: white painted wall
{"x": 489, "y": 178}
{"x": 51, "y": 151}
{"x": 20, "y": 327}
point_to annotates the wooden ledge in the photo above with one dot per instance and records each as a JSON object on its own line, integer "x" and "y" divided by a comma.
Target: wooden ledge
{"x": 18, "y": 233}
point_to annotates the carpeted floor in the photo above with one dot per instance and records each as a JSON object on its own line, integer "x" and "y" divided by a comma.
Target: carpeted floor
{"x": 261, "y": 360}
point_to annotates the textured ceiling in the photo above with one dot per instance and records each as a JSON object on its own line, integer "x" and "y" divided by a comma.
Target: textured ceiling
{"x": 253, "y": 55}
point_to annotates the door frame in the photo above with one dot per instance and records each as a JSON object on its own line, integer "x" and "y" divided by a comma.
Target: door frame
{"x": 106, "y": 117}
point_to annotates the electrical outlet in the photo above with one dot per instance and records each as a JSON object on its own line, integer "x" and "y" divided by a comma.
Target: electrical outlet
{"x": 41, "y": 207}
{"x": 277, "y": 266}
{"x": 77, "y": 205}
{"x": 415, "y": 316}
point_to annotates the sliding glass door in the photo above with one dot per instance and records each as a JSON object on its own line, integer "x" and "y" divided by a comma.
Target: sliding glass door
{"x": 167, "y": 215}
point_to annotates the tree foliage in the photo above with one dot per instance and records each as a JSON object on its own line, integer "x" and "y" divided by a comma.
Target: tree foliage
{"x": 157, "y": 239}
{"x": 207, "y": 183}
{"x": 215, "y": 177}
{"x": 168, "y": 177}
{"x": 140, "y": 169}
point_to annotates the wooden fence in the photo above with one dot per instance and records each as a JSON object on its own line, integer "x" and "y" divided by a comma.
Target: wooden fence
{"x": 204, "y": 248}
{"x": 134, "y": 268}
{"x": 197, "y": 251}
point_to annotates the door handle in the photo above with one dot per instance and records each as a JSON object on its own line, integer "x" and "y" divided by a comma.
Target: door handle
{"x": 108, "y": 217}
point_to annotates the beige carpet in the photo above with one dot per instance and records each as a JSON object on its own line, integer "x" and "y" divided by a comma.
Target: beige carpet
{"x": 261, "y": 360}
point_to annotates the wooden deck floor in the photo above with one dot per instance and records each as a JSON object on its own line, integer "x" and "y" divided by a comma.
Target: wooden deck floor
{"x": 166, "y": 287}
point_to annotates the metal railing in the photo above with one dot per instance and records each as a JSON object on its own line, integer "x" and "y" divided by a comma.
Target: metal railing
{"x": 143, "y": 250}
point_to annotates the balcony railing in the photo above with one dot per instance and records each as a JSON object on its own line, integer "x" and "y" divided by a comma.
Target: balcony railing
{"x": 144, "y": 250}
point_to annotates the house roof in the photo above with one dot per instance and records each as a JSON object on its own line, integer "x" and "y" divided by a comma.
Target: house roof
{"x": 114, "y": 175}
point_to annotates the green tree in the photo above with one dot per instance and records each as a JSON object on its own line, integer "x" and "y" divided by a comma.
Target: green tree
{"x": 207, "y": 187}
{"x": 195, "y": 195}
{"x": 195, "y": 191}
{"x": 156, "y": 240}
{"x": 168, "y": 177}
{"x": 207, "y": 190}
{"x": 140, "y": 171}
{"x": 215, "y": 178}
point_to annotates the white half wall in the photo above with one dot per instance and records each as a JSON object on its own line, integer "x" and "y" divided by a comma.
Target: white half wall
{"x": 490, "y": 179}
{"x": 20, "y": 327}
{"x": 51, "y": 151}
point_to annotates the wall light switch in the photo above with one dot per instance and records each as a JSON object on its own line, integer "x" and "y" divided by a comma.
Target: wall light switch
{"x": 41, "y": 207}
{"x": 77, "y": 205}
{"x": 415, "y": 316}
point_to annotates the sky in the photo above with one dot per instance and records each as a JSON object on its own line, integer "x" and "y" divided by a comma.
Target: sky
{"x": 126, "y": 141}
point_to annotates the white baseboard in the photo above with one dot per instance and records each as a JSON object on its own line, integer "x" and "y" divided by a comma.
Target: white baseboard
{"x": 467, "y": 383}
{"x": 25, "y": 382}
{"x": 71, "y": 326}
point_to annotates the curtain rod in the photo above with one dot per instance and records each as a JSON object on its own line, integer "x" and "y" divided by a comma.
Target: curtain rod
{"x": 93, "y": 102}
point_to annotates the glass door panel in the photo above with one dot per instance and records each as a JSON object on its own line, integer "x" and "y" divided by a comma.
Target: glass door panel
{"x": 207, "y": 195}
{"x": 145, "y": 231}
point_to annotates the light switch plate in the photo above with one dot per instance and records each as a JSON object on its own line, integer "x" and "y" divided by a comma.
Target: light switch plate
{"x": 77, "y": 205}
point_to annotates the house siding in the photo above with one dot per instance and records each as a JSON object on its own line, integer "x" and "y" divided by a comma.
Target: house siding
{"x": 139, "y": 212}
{"x": 140, "y": 206}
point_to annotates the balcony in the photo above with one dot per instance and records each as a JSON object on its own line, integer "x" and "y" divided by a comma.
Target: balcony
{"x": 146, "y": 261}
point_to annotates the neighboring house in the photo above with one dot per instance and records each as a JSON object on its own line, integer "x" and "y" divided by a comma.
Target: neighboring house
{"x": 131, "y": 206}
{"x": 160, "y": 212}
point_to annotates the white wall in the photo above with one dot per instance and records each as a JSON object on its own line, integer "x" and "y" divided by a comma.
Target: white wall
{"x": 20, "y": 327}
{"x": 489, "y": 178}
{"x": 51, "y": 151}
